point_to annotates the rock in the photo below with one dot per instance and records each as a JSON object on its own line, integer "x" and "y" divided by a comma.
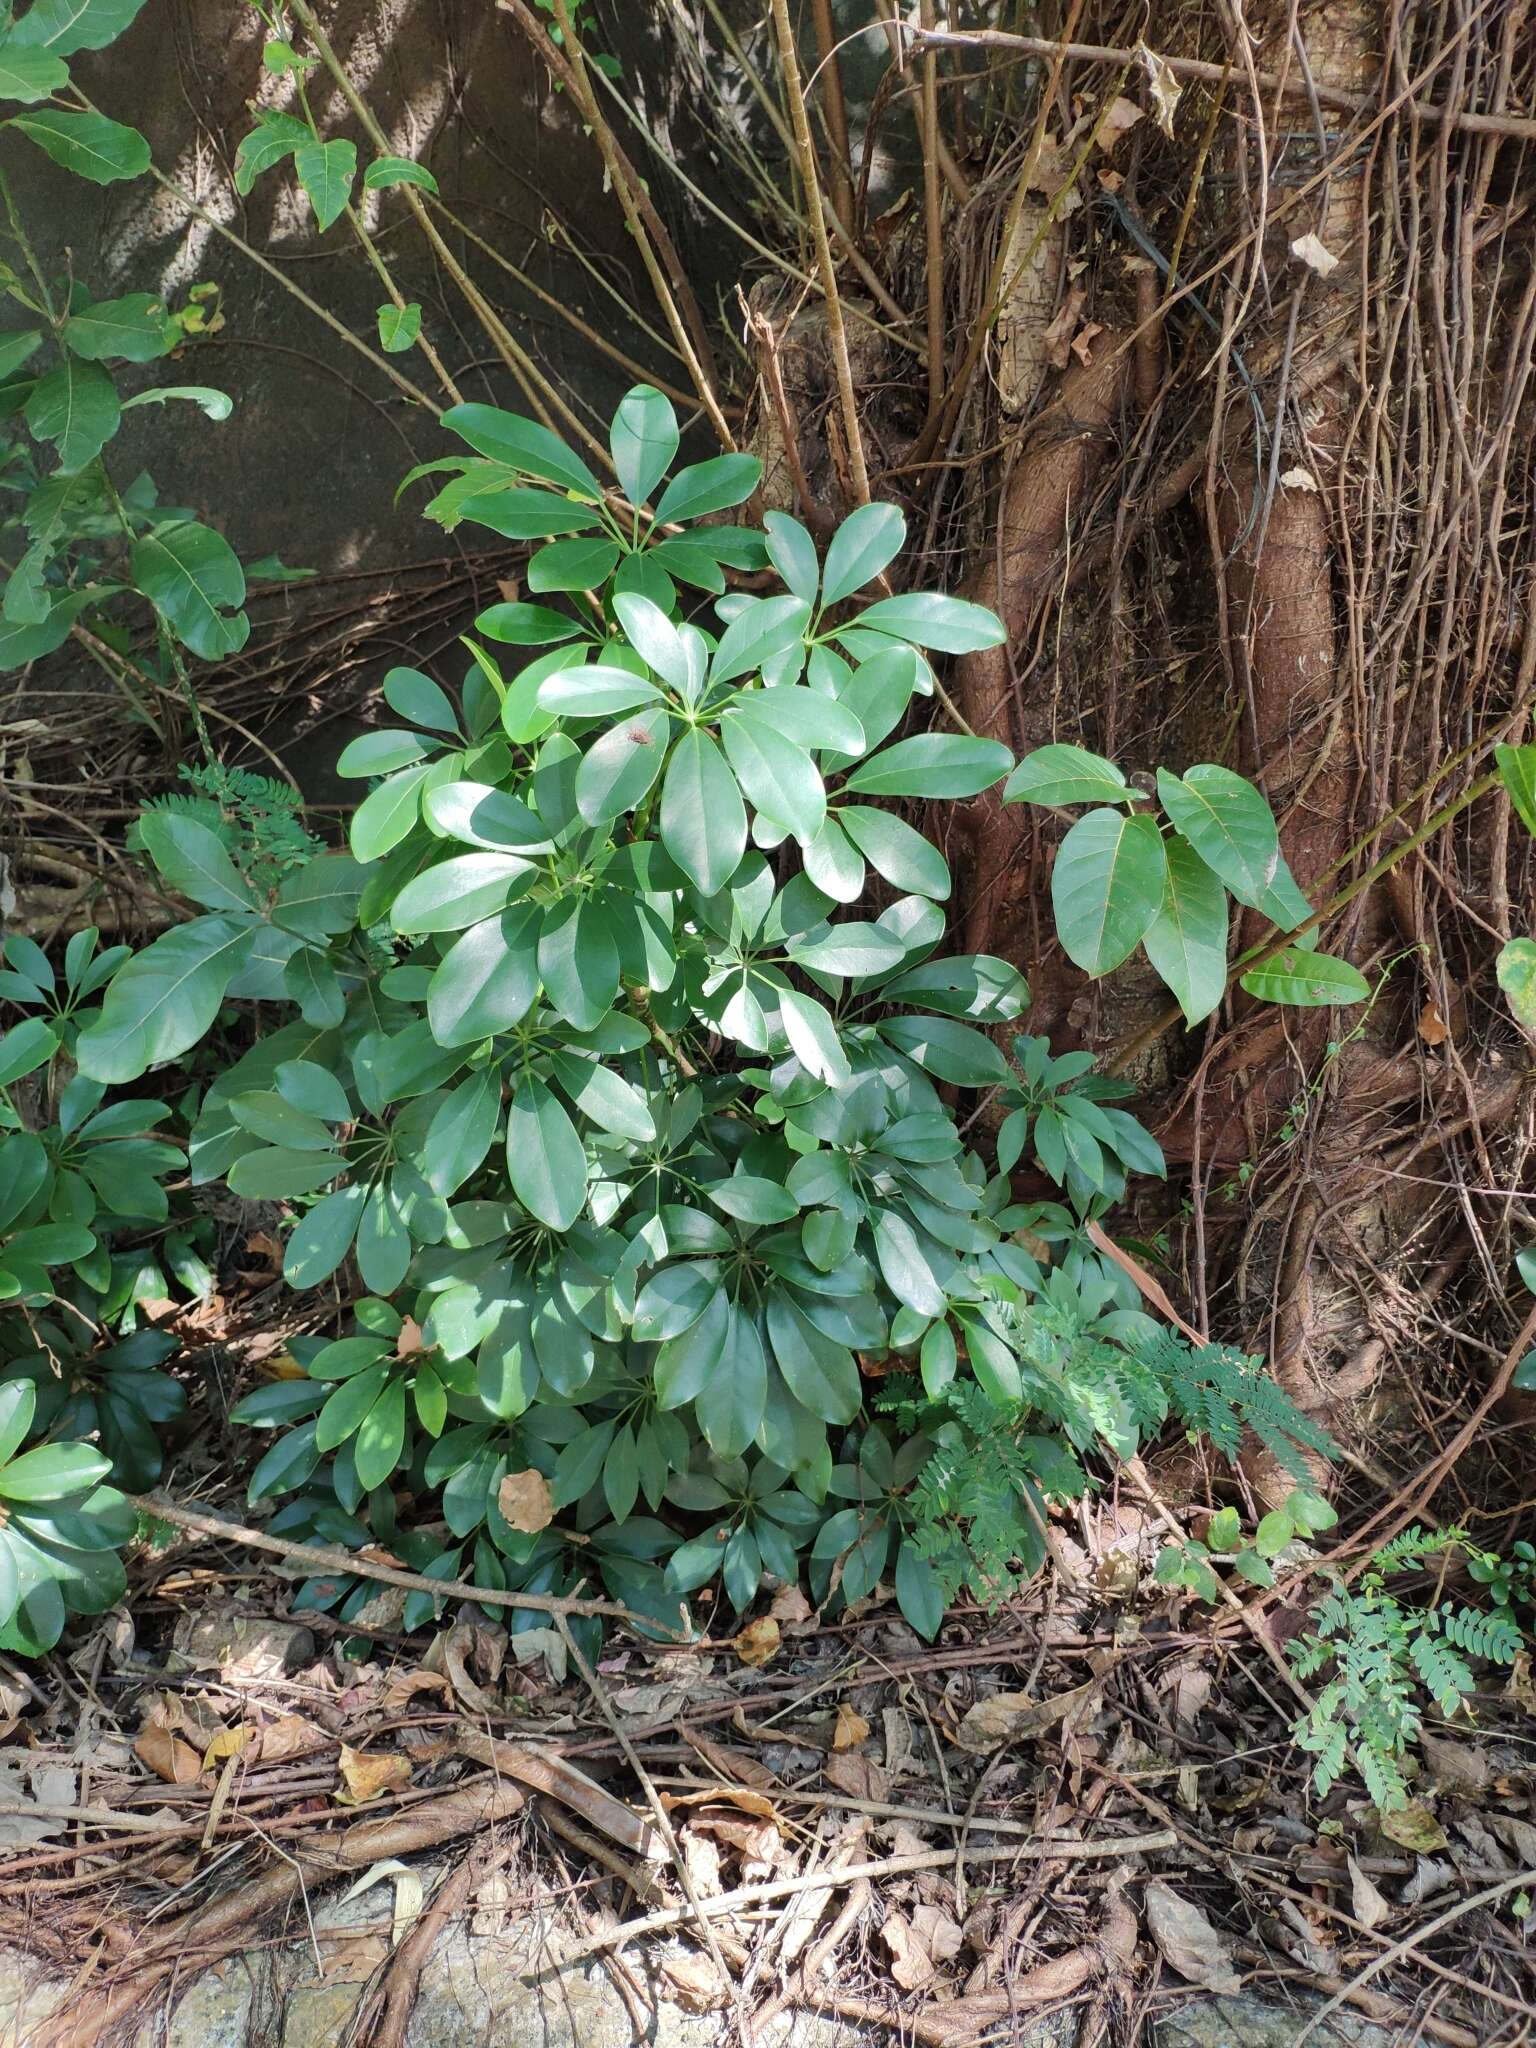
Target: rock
{"x": 1255, "y": 2023}
{"x": 241, "y": 1646}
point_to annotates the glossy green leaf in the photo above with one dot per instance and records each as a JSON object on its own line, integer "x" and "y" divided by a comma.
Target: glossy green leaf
{"x": 487, "y": 980}
{"x": 526, "y": 625}
{"x": 194, "y": 579}
{"x": 1309, "y": 980}
{"x": 685, "y": 1361}
{"x": 193, "y": 859}
{"x": 811, "y": 720}
{"x": 1107, "y": 887}
{"x": 484, "y": 816}
{"x": 766, "y": 628}
{"x": 792, "y": 552}
{"x": 323, "y": 1236}
{"x": 462, "y": 1131}
{"x": 135, "y": 329}
{"x": 932, "y": 764}
{"x": 1517, "y": 978}
{"x": 643, "y": 441}
{"x": 30, "y": 75}
{"x": 730, "y": 1404}
{"x": 866, "y": 543}
{"x": 1061, "y": 774}
{"x": 326, "y": 171}
{"x": 949, "y": 1050}
{"x": 546, "y": 1161}
{"x": 850, "y": 949}
{"x": 918, "y": 1592}
{"x": 1229, "y": 825}
{"x": 703, "y": 822}
{"x": 399, "y": 327}
{"x": 618, "y": 768}
{"x": 53, "y": 1472}
{"x": 950, "y": 625}
{"x": 1187, "y": 940}
{"x": 277, "y": 1172}
{"x": 578, "y": 960}
{"x": 385, "y": 171}
{"x": 895, "y": 851}
{"x": 751, "y": 1199}
{"x": 89, "y": 145}
{"x": 386, "y": 814}
{"x": 64, "y": 26}
{"x": 712, "y": 486}
{"x": 813, "y": 1038}
{"x": 573, "y": 565}
{"x": 164, "y": 999}
{"x": 778, "y": 778}
{"x": 1517, "y": 771}
{"x": 24, "y": 1048}
{"x": 524, "y": 445}
{"x": 381, "y": 1436}
{"x": 75, "y": 405}
{"x": 821, "y": 1374}
{"x": 461, "y": 891}
{"x": 216, "y": 405}
{"x": 596, "y": 691}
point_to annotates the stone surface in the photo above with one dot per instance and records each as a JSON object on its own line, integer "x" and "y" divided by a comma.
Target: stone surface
{"x": 1256, "y": 2023}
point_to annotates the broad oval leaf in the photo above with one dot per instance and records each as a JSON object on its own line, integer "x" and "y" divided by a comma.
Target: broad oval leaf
{"x": 1309, "y": 980}
{"x": 1107, "y": 887}
{"x": 1187, "y": 940}
{"x": 950, "y": 625}
{"x": 867, "y": 542}
{"x": 461, "y": 891}
{"x": 703, "y": 821}
{"x": 932, "y": 764}
{"x": 643, "y": 440}
{"x": 1063, "y": 774}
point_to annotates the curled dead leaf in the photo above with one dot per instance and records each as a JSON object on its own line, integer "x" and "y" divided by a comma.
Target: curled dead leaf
{"x": 1366, "y": 1903}
{"x": 227, "y": 1743}
{"x": 858, "y": 1776}
{"x": 369, "y": 1774}
{"x": 850, "y": 1729}
{"x": 526, "y": 1502}
{"x": 409, "y": 1339}
{"x": 1163, "y": 86}
{"x": 1188, "y": 1941}
{"x": 291, "y": 1735}
{"x": 1122, "y": 116}
{"x": 1013, "y": 1716}
{"x": 1309, "y": 250}
{"x": 911, "y": 1964}
{"x": 173, "y": 1761}
{"x": 758, "y": 1642}
{"x": 694, "y": 1983}
{"x": 1297, "y": 480}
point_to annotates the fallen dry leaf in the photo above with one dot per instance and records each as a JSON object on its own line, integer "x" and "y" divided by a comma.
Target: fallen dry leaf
{"x": 911, "y": 1964}
{"x": 734, "y": 1765}
{"x": 1164, "y": 87}
{"x": 1297, "y": 480}
{"x": 291, "y": 1735}
{"x": 1188, "y": 1941}
{"x": 172, "y": 1760}
{"x": 694, "y": 1983}
{"x": 758, "y": 1642}
{"x": 850, "y": 1729}
{"x": 368, "y": 1774}
{"x": 526, "y": 1501}
{"x": 402, "y": 1687}
{"x": 1366, "y": 1903}
{"x": 1083, "y": 340}
{"x": 1309, "y": 250}
{"x": 1122, "y": 117}
{"x": 1456, "y": 1764}
{"x": 938, "y": 1932}
{"x": 858, "y": 1776}
{"x": 1014, "y": 1716}
{"x": 1433, "y": 1028}
{"x": 793, "y": 1612}
{"x": 1413, "y": 1827}
{"x": 410, "y": 1338}
{"x": 1058, "y": 335}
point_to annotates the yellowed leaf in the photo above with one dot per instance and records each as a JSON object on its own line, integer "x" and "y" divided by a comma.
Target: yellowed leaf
{"x": 759, "y": 1641}
{"x": 172, "y": 1760}
{"x": 526, "y": 1501}
{"x": 1413, "y": 1827}
{"x": 227, "y": 1743}
{"x": 850, "y": 1728}
{"x": 368, "y": 1774}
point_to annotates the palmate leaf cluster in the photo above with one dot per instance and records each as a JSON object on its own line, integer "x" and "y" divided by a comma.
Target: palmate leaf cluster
{"x": 618, "y": 1054}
